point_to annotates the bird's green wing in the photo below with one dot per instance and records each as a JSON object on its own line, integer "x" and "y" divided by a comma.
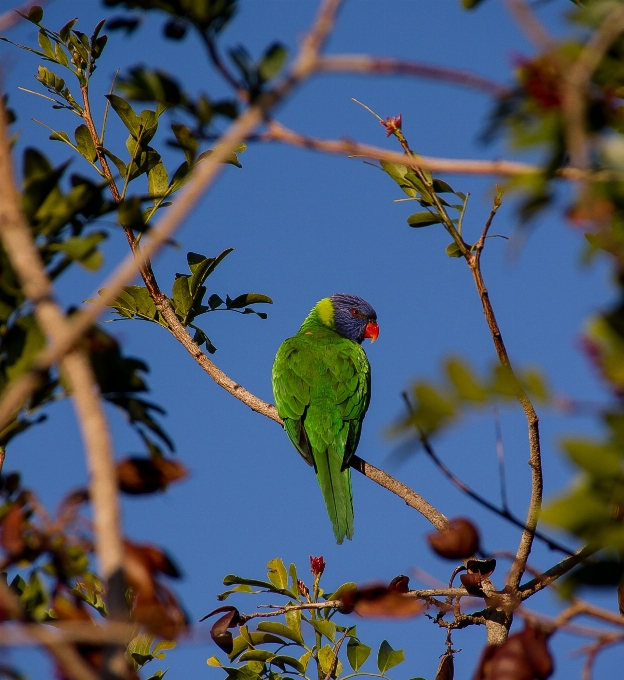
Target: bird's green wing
{"x": 292, "y": 378}
{"x": 322, "y": 390}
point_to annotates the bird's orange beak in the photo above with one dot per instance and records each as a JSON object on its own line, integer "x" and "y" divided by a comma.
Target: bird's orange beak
{"x": 371, "y": 331}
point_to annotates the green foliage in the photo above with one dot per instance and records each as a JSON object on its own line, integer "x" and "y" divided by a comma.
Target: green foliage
{"x": 435, "y": 406}
{"x": 187, "y": 298}
{"x": 145, "y": 648}
{"x": 313, "y": 642}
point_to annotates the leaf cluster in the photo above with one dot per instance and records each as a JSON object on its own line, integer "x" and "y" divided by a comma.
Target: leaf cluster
{"x": 305, "y": 643}
{"x": 436, "y": 406}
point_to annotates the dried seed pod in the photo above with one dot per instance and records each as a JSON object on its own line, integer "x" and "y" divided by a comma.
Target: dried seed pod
{"x": 458, "y": 542}
{"x": 446, "y": 669}
{"x": 381, "y": 601}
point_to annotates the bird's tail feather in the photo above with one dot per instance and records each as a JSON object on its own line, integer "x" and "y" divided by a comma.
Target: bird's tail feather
{"x": 335, "y": 485}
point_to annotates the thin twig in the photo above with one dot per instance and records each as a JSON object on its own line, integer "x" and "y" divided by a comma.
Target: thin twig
{"x": 464, "y": 488}
{"x": 219, "y": 64}
{"x": 535, "y": 459}
{"x": 531, "y": 25}
{"x": 556, "y": 571}
{"x": 369, "y": 65}
{"x": 334, "y": 661}
{"x": 500, "y": 456}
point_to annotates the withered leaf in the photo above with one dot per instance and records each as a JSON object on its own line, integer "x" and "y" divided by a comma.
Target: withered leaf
{"x": 458, "y": 542}
{"x": 446, "y": 669}
{"x": 219, "y": 631}
{"x": 11, "y": 532}
{"x": 381, "y": 601}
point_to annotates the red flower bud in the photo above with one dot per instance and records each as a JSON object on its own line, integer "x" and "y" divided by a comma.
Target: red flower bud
{"x": 303, "y": 589}
{"x": 317, "y": 565}
{"x": 392, "y": 124}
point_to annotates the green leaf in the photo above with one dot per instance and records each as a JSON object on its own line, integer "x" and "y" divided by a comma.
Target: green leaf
{"x": 237, "y": 589}
{"x": 293, "y": 620}
{"x": 292, "y": 569}
{"x": 162, "y": 646}
{"x": 282, "y": 659}
{"x": 387, "y": 657}
{"x": 326, "y": 658}
{"x": 281, "y": 630}
{"x": 441, "y": 187}
{"x": 423, "y": 219}
{"x": 202, "y": 267}
{"x": 231, "y": 159}
{"x": 119, "y": 164}
{"x": 357, "y": 653}
{"x": 277, "y": 573}
{"x": 182, "y": 300}
{"x": 127, "y": 114}
{"x": 84, "y": 143}
{"x": 231, "y": 579}
{"x": 214, "y": 301}
{"x": 82, "y": 249}
{"x": 341, "y": 590}
{"x": 272, "y": 61}
{"x": 135, "y": 300}
{"x": 65, "y": 32}
{"x": 130, "y": 214}
{"x": 46, "y": 45}
{"x": 249, "y": 299}
{"x": 464, "y": 381}
{"x": 186, "y": 141}
{"x": 157, "y": 181}
{"x": 256, "y": 655}
{"x": 326, "y": 628}
{"x": 35, "y": 14}
{"x": 214, "y": 661}
{"x": 60, "y": 136}
{"x": 452, "y": 250}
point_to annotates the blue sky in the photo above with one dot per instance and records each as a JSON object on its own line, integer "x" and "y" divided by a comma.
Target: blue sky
{"x": 305, "y": 226}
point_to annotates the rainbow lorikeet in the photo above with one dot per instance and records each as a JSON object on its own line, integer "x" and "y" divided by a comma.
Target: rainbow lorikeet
{"x": 322, "y": 384}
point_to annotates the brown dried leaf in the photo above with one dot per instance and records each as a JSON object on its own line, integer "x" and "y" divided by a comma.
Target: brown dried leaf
{"x": 523, "y": 656}
{"x": 399, "y": 583}
{"x": 219, "y": 631}
{"x": 482, "y": 567}
{"x": 457, "y": 543}
{"x": 472, "y": 583}
{"x": 446, "y": 669}
{"x": 162, "y": 614}
{"x": 144, "y": 475}
{"x": 11, "y": 532}
{"x": 381, "y": 601}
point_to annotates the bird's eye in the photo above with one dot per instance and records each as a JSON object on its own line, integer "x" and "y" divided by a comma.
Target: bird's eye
{"x": 354, "y": 312}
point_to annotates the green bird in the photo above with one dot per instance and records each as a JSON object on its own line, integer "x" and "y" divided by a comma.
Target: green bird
{"x": 322, "y": 385}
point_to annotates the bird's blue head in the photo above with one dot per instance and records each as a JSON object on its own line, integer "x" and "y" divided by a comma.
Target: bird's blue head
{"x": 354, "y": 318}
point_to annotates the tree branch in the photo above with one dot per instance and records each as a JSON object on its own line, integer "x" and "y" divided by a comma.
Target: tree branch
{"x": 367, "y": 65}
{"x": 556, "y": 571}
{"x": 18, "y": 243}
{"x": 537, "y": 483}
{"x": 346, "y": 147}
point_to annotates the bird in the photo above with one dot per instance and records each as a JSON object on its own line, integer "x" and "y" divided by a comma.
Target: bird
{"x": 322, "y": 387}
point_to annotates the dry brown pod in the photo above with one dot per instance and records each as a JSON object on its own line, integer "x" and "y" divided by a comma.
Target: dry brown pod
{"x": 458, "y": 542}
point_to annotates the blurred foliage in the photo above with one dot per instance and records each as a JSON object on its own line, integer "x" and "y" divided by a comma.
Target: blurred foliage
{"x": 306, "y": 642}
{"x": 434, "y": 406}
